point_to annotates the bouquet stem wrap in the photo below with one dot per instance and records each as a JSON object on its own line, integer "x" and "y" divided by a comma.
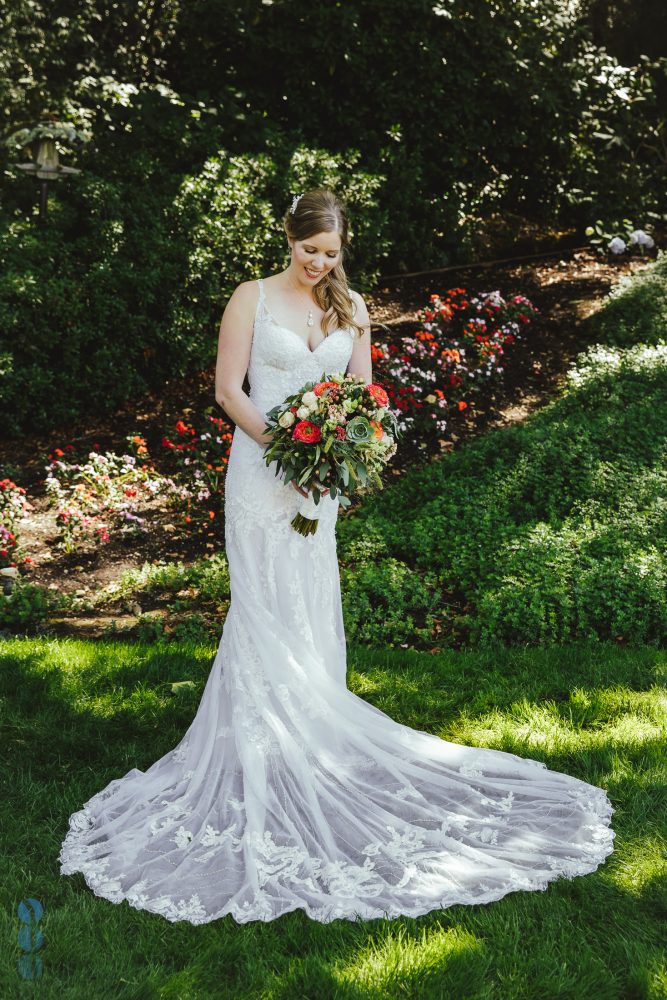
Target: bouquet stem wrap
{"x": 306, "y": 520}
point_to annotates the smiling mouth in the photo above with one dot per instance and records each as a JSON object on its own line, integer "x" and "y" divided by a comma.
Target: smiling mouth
{"x": 313, "y": 274}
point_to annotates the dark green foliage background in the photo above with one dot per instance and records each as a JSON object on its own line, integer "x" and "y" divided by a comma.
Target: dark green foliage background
{"x": 435, "y": 121}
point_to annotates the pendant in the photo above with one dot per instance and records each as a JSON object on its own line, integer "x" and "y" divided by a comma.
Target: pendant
{"x": 311, "y": 321}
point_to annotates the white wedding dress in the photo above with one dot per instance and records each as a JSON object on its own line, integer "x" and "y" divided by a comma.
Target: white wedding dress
{"x": 290, "y": 792}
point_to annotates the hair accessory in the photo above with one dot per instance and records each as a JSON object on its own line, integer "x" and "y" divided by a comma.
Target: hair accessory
{"x": 295, "y": 202}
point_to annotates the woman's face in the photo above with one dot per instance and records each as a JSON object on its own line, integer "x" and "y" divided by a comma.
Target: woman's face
{"x": 312, "y": 258}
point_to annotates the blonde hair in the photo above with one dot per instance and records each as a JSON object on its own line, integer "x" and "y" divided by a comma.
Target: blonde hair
{"x": 321, "y": 211}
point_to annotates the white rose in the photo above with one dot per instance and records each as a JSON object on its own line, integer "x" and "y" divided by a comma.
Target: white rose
{"x": 303, "y": 412}
{"x": 310, "y": 399}
{"x": 286, "y": 419}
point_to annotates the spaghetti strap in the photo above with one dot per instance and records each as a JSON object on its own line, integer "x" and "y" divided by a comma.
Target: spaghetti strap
{"x": 260, "y": 282}
{"x": 260, "y": 300}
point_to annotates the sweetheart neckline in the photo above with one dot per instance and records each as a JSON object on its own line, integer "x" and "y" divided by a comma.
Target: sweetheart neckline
{"x": 340, "y": 329}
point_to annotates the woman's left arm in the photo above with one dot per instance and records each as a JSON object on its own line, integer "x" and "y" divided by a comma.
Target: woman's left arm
{"x": 360, "y": 359}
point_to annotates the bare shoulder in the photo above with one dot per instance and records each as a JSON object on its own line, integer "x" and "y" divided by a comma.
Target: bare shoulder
{"x": 247, "y": 291}
{"x": 243, "y": 301}
{"x": 361, "y": 311}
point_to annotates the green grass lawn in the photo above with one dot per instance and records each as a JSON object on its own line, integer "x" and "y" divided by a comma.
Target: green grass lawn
{"x": 76, "y": 714}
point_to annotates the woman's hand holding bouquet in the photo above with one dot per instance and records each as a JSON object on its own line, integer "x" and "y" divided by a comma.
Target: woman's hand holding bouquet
{"x": 334, "y": 435}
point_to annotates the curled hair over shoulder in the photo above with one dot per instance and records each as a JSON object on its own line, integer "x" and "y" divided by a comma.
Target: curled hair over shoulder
{"x": 321, "y": 211}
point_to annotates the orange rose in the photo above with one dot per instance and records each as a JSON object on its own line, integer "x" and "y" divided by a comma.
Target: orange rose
{"x": 323, "y": 386}
{"x": 377, "y": 393}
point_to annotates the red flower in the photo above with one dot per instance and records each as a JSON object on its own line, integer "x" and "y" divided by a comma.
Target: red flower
{"x": 340, "y": 433}
{"x": 377, "y": 393}
{"x": 307, "y": 431}
{"x": 462, "y": 404}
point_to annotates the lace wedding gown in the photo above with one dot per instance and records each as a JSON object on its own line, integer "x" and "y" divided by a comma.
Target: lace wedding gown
{"x": 290, "y": 792}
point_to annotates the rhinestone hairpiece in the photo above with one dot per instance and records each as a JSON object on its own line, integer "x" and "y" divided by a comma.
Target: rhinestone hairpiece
{"x": 295, "y": 202}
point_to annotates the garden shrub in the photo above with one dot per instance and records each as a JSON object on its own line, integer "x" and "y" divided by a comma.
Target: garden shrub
{"x": 126, "y": 286}
{"x": 635, "y": 310}
{"x": 552, "y": 530}
{"x": 28, "y": 605}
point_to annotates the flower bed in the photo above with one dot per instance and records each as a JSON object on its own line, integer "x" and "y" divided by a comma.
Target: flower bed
{"x": 13, "y": 507}
{"x": 102, "y": 494}
{"x": 450, "y": 359}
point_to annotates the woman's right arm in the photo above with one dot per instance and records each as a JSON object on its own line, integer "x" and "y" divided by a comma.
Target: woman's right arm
{"x": 234, "y": 343}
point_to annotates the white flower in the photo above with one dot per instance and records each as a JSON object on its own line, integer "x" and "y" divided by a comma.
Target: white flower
{"x": 303, "y": 412}
{"x": 309, "y": 399}
{"x": 617, "y": 245}
{"x": 286, "y": 419}
{"x": 641, "y": 238}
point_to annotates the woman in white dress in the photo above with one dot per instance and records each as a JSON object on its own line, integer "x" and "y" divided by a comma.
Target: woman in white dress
{"x": 288, "y": 791}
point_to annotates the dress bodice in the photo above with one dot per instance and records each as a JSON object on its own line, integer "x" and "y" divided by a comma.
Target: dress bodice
{"x": 280, "y": 361}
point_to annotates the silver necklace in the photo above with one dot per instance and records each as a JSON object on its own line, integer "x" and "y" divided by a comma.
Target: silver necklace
{"x": 310, "y": 321}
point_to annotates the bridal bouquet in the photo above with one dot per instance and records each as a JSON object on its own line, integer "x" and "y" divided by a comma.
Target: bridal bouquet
{"x": 335, "y": 434}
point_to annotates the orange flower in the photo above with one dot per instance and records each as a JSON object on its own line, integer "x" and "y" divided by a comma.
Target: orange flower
{"x": 377, "y": 394}
{"x": 462, "y": 404}
{"x": 323, "y": 386}
{"x": 377, "y": 427}
{"x": 451, "y": 353}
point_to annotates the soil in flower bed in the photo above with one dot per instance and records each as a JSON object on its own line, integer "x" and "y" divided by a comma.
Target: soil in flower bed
{"x": 565, "y": 290}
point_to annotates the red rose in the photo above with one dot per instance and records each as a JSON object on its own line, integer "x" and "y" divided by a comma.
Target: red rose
{"x": 307, "y": 431}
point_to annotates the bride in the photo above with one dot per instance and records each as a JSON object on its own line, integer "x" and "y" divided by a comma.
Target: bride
{"x": 288, "y": 791}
